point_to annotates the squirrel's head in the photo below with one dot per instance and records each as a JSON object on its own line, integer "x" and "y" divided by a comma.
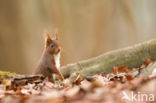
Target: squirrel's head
{"x": 52, "y": 44}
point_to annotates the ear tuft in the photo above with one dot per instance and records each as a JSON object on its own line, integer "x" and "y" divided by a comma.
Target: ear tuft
{"x": 48, "y": 39}
{"x": 56, "y": 35}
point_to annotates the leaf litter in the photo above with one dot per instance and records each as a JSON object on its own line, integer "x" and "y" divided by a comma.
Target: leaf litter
{"x": 99, "y": 88}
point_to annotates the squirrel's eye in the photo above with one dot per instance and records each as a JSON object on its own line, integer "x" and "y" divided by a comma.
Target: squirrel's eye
{"x": 52, "y": 45}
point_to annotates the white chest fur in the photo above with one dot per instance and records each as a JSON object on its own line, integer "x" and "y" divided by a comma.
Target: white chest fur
{"x": 57, "y": 60}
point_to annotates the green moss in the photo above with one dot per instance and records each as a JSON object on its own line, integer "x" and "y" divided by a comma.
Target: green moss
{"x": 4, "y": 73}
{"x": 132, "y": 57}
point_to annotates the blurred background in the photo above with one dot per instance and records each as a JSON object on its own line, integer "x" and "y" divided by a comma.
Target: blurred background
{"x": 87, "y": 28}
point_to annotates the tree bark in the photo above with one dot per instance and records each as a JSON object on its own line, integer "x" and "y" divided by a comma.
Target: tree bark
{"x": 132, "y": 56}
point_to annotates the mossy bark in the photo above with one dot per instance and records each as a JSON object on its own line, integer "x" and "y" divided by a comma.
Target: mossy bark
{"x": 4, "y": 73}
{"x": 132, "y": 56}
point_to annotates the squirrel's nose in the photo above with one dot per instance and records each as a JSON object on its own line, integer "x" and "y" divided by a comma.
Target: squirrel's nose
{"x": 59, "y": 49}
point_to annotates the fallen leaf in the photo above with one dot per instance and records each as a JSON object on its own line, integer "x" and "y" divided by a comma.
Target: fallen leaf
{"x": 78, "y": 80}
{"x": 147, "y": 62}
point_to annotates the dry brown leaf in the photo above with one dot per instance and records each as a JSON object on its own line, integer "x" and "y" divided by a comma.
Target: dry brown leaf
{"x": 78, "y": 80}
{"x": 121, "y": 69}
{"x": 147, "y": 62}
{"x": 129, "y": 77}
{"x": 115, "y": 69}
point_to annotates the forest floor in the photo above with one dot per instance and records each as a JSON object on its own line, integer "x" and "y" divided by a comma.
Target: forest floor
{"x": 123, "y": 85}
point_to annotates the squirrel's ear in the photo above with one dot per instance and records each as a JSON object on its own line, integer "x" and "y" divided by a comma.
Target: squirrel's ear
{"x": 48, "y": 39}
{"x": 56, "y": 35}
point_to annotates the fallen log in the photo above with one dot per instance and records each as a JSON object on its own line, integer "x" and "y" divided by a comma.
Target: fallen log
{"x": 132, "y": 56}
{"x": 20, "y": 80}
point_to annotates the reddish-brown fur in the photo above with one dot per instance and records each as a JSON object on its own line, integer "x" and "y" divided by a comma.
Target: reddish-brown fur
{"x": 47, "y": 65}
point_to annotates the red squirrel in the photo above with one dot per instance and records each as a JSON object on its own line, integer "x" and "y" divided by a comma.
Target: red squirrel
{"x": 50, "y": 60}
